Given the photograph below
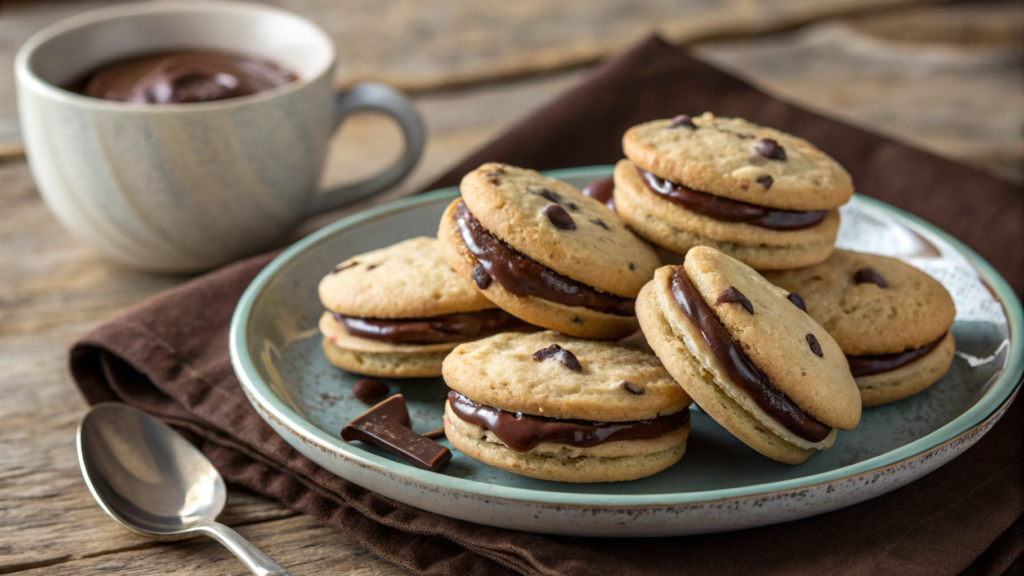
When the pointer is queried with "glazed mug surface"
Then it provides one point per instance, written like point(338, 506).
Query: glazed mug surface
point(187, 187)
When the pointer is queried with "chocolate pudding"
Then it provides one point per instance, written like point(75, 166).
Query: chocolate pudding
point(181, 77)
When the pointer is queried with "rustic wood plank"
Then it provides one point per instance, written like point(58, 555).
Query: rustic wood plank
point(420, 45)
point(947, 79)
point(301, 544)
point(53, 289)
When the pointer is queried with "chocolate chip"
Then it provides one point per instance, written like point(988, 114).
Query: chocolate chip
point(766, 181)
point(745, 135)
point(600, 223)
point(733, 295)
point(797, 301)
point(549, 195)
point(632, 266)
point(631, 388)
point(815, 347)
point(481, 277)
point(369, 389)
point(682, 121)
point(770, 149)
point(496, 172)
point(341, 267)
point(744, 183)
point(371, 267)
point(561, 354)
point(576, 320)
point(869, 275)
point(572, 206)
point(559, 217)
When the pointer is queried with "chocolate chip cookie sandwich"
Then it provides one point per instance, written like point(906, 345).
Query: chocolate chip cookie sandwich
point(544, 252)
point(891, 320)
point(397, 312)
point(548, 406)
point(748, 356)
point(766, 198)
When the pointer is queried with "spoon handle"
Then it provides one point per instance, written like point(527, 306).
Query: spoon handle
point(256, 561)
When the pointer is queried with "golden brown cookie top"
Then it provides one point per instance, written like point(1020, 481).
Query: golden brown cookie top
point(553, 223)
point(736, 159)
point(550, 374)
point(871, 304)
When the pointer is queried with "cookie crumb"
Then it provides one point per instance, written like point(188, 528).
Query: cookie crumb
point(564, 356)
point(369, 389)
point(744, 183)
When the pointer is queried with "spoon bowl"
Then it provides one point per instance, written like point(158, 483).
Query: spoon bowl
point(155, 483)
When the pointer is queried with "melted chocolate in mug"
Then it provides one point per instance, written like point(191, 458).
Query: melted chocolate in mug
point(181, 77)
point(522, 432)
point(739, 366)
point(524, 277)
point(728, 210)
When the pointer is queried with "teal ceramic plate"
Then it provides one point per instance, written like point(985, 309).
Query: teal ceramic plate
point(720, 484)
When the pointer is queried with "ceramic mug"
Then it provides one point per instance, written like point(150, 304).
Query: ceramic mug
point(186, 187)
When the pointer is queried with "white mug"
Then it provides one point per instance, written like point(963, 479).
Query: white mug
point(187, 187)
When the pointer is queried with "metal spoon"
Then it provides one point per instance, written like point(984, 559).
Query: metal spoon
point(155, 483)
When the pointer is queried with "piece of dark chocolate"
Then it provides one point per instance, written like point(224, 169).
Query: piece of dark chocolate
point(386, 426)
point(561, 354)
point(559, 217)
point(812, 341)
point(733, 295)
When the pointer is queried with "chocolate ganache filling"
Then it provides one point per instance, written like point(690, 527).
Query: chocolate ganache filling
point(868, 364)
point(522, 276)
point(436, 330)
point(739, 366)
point(522, 432)
point(728, 210)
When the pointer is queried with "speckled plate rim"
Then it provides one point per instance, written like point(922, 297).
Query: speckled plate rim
point(991, 405)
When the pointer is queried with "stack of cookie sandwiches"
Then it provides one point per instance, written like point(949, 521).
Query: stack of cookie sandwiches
point(749, 356)
point(549, 406)
point(764, 197)
point(891, 320)
point(539, 249)
point(397, 312)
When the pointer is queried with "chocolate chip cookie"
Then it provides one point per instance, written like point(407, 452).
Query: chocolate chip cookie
point(541, 250)
point(548, 406)
point(749, 357)
point(397, 311)
point(764, 197)
point(891, 320)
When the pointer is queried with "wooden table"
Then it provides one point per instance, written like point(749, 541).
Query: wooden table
point(947, 78)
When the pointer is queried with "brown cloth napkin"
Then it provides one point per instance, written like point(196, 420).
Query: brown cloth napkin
point(169, 357)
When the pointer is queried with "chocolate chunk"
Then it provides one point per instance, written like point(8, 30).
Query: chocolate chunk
point(549, 195)
point(435, 434)
point(369, 389)
point(559, 217)
point(341, 267)
point(631, 388)
point(682, 121)
point(770, 149)
point(386, 426)
point(731, 294)
point(766, 181)
point(481, 277)
point(600, 223)
point(561, 354)
point(815, 347)
point(797, 301)
point(572, 206)
point(869, 275)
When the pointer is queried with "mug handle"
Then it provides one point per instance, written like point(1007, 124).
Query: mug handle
point(378, 98)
